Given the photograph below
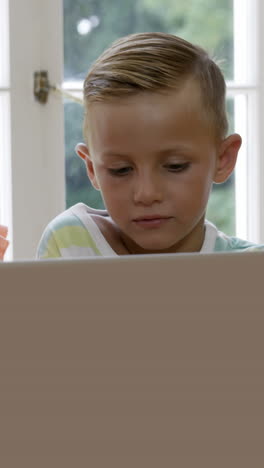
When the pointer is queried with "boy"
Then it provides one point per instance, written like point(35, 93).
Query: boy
point(156, 139)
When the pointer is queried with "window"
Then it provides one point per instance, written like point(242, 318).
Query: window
point(32, 163)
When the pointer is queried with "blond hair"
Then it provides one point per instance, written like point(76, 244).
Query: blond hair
point(154, 62)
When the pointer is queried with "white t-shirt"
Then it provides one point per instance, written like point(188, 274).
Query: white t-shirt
point(74, 233)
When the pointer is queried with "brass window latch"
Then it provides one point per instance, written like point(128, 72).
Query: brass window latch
point(42, 89)
point(42, 86)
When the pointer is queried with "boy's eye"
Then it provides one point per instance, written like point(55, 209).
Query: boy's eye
point(120, 171)
point(177, 167)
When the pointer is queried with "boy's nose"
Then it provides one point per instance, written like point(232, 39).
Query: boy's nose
point(147, 190)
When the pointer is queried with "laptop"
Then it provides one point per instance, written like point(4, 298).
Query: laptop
point(134, 361)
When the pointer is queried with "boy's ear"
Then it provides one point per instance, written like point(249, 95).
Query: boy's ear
point(83, 151)
point(227, 157)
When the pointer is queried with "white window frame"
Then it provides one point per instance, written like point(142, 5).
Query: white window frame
point(247, 90)
point(37, 131)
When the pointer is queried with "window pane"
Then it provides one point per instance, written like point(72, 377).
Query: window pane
point(91, 25)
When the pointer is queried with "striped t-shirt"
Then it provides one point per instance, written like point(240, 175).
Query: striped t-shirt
point(74, 233)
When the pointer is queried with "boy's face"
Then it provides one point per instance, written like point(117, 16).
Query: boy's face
point(154, 158)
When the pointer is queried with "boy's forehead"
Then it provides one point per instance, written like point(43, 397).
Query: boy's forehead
point(150, 109)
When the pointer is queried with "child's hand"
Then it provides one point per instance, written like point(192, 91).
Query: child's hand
point(3, 241)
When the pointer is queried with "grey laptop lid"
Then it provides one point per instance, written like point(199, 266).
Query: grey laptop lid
point(133, 361)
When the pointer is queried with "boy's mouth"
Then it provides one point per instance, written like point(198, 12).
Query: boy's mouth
point(151, 221)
